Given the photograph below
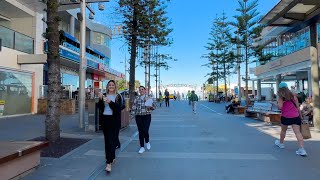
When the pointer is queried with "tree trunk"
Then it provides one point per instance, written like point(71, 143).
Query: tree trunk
point(217, 80)
point(133, 55)
point(225, 79)
point(246, 91)
point(52, 122)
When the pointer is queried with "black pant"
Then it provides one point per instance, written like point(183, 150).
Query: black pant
point(109, 132)
point(167, 102)
point(143, 123)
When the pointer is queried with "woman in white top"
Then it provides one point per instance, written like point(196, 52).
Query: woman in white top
point(110, 106)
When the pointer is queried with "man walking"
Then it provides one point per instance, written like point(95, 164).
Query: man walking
point(188, 97)
point(193, 99)
point(166, 94)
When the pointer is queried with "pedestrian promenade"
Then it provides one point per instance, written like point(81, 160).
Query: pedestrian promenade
point(209, 145)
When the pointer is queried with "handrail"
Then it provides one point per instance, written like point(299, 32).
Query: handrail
point(16, 31)
point(16, 40)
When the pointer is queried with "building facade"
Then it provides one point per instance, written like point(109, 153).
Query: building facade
point(23, 68)
point(292, 40)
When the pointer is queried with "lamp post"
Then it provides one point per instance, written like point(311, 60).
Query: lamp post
point(83, 64)
point(83, 60)
point(125, 71)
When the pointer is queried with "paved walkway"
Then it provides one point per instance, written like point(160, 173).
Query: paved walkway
point(209, 145)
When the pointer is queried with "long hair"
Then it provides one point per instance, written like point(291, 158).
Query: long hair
point(115, 87)
point(285, 94)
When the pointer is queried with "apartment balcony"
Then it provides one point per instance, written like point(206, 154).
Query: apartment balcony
point(15, 40)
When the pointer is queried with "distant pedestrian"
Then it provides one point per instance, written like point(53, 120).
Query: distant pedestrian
point(110, 106)
point(167, 97)
point(142, 108)
point(160, 99)
point(174, 95)
point(188, 97)
point(290, 115)
point(193, 99)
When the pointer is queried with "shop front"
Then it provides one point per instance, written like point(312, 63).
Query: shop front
point(16, 92)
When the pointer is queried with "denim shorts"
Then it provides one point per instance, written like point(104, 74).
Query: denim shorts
point(291, 121)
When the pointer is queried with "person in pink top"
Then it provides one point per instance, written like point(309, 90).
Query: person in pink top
point(290, 115)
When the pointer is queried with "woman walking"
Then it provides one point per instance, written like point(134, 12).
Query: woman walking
point(142, 108)
point(290, 115)
point(110, 116)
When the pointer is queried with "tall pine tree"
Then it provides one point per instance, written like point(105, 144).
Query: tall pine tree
point(144, 23)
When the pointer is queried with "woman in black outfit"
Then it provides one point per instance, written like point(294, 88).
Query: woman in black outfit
point(110, 115)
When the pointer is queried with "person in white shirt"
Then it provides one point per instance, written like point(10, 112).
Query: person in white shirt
point(142, 108)
point(110, 115)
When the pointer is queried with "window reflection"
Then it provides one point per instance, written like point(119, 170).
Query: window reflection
point(288, 43)
point(15, 92)
point(101, 39)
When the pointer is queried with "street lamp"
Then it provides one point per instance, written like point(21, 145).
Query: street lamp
point(125, 71)
point(83, 60)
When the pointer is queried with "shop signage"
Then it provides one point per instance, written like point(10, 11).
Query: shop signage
point(274, 64)
point(101, 67)
point(95, 77)
point(112, 71)
point(68, 54)
point(2, 103)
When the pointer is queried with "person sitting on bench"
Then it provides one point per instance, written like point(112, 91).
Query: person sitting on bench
point(234, 103)
point(307, 110)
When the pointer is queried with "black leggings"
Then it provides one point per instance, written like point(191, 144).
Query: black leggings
point(143, 123)
point(167, 102)
point(109, 132)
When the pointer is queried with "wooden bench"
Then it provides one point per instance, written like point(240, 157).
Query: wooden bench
point(240, 109)
point(19, 158)
point(264, 112)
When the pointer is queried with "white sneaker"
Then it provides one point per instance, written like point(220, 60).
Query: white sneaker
point(148, 145)
point(141, 150)
point(301, 152)
point(277, 143)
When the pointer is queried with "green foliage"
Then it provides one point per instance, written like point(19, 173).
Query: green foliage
point(248, 29)
point(144, 24)
point(137, 84)
point(220, 56)
point(121, 84)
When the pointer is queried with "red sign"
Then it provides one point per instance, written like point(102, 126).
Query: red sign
point(101, 67)
point(95, 77)
point(96, 84)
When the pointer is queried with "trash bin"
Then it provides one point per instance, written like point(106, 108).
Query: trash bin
point(92, 114)
point(125, 118)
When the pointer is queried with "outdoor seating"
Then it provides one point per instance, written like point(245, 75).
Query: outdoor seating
point(241, 108)
point(19, 158)
point(264, 112)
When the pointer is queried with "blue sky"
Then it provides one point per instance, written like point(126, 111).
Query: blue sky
point(191, 23)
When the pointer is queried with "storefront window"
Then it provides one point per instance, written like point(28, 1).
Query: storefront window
point(288, 43)
point(15, 92)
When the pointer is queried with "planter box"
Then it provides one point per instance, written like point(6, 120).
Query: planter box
point(67, 106)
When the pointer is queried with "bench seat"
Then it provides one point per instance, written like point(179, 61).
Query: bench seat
point(19, 158)
point(264, 112)
point(240, 109)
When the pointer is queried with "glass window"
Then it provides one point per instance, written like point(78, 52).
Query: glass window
point(64, 26)
point(15, 92)
point(23, 43)
point(101, 39)
point(7, 36)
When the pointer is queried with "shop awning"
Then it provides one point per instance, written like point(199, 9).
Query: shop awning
point(289, 12)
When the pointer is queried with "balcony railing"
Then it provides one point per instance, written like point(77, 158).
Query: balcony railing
point(15, 40)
